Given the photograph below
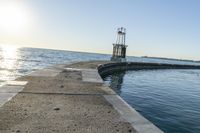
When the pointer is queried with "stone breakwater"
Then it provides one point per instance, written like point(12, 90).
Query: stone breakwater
point(72, 98)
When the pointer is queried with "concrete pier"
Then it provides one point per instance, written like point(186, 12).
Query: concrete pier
point(70, 98)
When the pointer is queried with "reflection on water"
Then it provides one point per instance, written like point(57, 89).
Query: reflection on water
point(9, 54)
point(8, 64)
point(115, 81)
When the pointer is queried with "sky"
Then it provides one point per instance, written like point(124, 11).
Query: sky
point(158, 28)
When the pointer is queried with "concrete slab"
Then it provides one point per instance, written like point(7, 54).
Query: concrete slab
point(10, 89)
point(146, 128)
point(91, 75)
point(64, 83)
point(5, 97)
point(8, 92)
point(16, 83)
point(45, 73)
point(72, 69)
point(108, 90)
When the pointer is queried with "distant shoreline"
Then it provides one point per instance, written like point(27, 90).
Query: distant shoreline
point(173, 59)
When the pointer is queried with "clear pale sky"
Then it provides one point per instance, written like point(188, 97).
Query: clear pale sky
point(161, 28)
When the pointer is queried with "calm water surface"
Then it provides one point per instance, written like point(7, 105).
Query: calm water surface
point(169, 98)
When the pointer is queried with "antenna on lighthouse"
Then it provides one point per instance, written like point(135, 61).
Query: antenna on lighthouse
point(119, 48)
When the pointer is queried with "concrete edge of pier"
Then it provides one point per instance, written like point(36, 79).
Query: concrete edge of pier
point(109, 68)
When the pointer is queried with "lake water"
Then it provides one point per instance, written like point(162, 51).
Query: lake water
point(15, 62)
point(168, 98)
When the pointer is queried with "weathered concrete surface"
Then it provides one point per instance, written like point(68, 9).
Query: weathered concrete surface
point(72, 98)
point(62, 101)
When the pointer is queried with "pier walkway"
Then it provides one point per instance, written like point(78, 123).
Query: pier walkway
point(68, 98)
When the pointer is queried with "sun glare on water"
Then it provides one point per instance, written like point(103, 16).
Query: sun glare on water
point(14, 17)
point(9, 55)
point(9, 51)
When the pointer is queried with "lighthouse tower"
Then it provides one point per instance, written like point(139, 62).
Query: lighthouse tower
point(119, 48)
